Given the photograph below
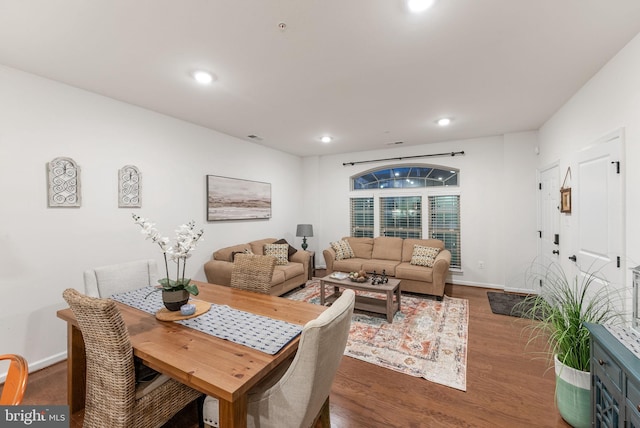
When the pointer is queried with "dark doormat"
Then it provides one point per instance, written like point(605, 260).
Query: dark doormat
point(505, 304)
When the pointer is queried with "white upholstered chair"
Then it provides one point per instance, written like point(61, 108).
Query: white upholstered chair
point(300, 395)
point(107, 280)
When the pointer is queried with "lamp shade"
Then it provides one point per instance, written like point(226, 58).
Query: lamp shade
point(304, 230)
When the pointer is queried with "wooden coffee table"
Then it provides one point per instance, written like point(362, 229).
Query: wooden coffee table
point(387, 306)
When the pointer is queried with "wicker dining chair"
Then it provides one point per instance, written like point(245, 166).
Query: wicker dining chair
point(253, 272)
point(112, 398)
point(15, 383)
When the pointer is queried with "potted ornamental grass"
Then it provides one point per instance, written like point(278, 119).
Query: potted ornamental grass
point(559, 314)
point(175, 292)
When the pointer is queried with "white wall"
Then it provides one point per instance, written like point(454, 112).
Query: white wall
point(497, 187)
point(45, 250)
point(608, 102)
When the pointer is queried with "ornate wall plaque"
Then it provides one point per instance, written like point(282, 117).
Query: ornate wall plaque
point(63, 176)
point(129, 187)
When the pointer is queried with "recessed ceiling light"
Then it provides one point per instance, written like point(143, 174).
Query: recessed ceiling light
point(417, 6)
point(443, 121)
point(326, 139)
point(203, 77)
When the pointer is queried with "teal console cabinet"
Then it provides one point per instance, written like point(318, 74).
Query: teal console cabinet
point(615, 377)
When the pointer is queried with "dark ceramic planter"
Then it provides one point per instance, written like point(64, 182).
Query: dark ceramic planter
point(173, 300)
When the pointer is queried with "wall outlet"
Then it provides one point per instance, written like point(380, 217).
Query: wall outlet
point(480, 264)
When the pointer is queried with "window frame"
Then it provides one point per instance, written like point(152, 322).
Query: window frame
point(423, 192)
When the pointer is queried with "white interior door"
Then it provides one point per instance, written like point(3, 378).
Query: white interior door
point(597, 203)
point(549, 218)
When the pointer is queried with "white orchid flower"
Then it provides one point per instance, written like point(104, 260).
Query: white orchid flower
point(185, 243)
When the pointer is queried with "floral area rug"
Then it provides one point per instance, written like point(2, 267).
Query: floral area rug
point(427, 338)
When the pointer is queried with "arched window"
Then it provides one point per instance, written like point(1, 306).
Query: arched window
point(408, 201)
point(405, 177)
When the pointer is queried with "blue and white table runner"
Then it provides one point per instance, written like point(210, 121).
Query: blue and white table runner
point(255, 331)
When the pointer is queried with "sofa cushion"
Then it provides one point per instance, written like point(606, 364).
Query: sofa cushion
point(279, 251)
point(343, 250)
point(407, 246)
point(362, 247)
point(387, 248)
point(406, 270)
point(348, 265)
point(278, 276)
point(388, 266)
point(291, 250)
point(258, 246)
point(290, 270)
point(424, 256)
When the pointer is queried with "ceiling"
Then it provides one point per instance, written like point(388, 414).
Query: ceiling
point(366, 72)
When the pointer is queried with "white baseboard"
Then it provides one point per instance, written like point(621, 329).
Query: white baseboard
point(35, 366)
point(46, 362)
point(478, 284)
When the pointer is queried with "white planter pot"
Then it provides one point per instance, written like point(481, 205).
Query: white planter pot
point(573, 395)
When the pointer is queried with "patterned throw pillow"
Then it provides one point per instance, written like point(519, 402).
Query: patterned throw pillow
point(424, 256)
point(343, 250)
point(279, 251)
point(292, 250)
point(245, 251)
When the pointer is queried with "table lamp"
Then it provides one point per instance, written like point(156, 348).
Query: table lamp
point(304, 230)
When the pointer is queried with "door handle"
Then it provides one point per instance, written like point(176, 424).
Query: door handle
point(556, 252)
point(573, 258)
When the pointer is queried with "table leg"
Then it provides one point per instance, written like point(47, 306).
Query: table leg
point(76, 369)
point(398, 297)
point(390, 311)
point(233, 414)
point(321, 292)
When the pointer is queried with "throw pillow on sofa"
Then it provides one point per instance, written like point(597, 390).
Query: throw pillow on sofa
point(343, 250)
point(424, 256)
point(279, 251)
point(291, 250)
point(245, 251)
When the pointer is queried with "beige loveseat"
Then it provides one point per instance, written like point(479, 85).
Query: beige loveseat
point(285, 277)
point(393, 255)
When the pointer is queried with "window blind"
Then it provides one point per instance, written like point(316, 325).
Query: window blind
point(401, 216)
point(362, 217)
point(444, 224)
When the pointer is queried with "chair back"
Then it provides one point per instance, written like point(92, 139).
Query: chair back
point(15, 383)
point(297, 397)
point(107, 280)
point(253, 272)
point(109, 358)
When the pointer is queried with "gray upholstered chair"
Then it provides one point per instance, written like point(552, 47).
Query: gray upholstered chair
point(300, 396)
point(107, 280)
point(253, 272)
point(112, 397)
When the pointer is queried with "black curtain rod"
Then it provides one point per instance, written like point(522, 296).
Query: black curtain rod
point(405, 157)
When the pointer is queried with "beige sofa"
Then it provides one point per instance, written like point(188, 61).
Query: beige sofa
point(393, 255)
point(285, 277)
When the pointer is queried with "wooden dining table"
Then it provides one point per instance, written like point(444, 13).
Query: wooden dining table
point(211, 365)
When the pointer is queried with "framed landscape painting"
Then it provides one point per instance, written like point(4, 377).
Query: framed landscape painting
point(236, 199)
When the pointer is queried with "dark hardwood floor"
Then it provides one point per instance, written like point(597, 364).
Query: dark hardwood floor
point(506, 385)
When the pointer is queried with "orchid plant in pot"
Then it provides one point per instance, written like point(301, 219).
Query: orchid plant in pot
point(175, 292)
